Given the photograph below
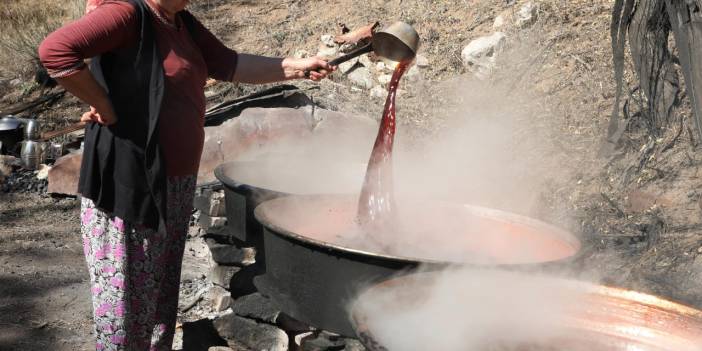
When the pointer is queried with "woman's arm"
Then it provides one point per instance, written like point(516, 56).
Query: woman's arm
point(260, 69)
point(228, 65)
point(84, 86)
point(108, 27)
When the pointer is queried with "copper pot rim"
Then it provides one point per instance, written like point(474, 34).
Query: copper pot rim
point(360, 326)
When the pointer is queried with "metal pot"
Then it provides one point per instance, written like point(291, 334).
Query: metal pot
point(597, 318)
point(11, 131)
point(312, 274)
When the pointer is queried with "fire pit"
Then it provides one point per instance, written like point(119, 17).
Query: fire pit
point(315, 265)
point(580, 317)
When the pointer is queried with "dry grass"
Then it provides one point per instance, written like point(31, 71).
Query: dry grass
point(24, 25)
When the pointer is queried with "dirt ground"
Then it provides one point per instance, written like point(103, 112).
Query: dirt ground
point(638, 211)
point(44, 292)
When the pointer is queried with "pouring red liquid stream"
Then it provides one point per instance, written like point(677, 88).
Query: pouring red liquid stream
point(376, 204)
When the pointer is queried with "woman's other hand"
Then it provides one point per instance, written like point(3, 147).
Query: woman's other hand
point(107, 117)
point(313, 68)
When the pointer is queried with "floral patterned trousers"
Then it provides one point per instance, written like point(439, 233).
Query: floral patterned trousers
point(135, 272)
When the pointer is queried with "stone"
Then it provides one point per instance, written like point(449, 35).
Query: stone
point(220, 298)
point(390, 66)
point(480, 54)
point(344, 67)
point(257, 336)
point(384, 79)
point(222, 275)
point(361, 77)
point(323, 341)
point(222, 303)
point(211, 224)
point(526, 15)
point(210, 202)
point(366, 61)
point(210, 93)
point(301, 54)
point(327, 52)
point(230, 255)
point(328, 40)
point(256, 306)
point(499, 22)
point(43, 171)
point(482, 48)
point(421, 61)
point(347, 47)
point(353, 345)
point(381, 66)
point(220, 348)
point(63, 176)
point(299, 337)
point(378, 92)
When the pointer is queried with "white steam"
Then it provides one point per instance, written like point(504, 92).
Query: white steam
point(490, 310)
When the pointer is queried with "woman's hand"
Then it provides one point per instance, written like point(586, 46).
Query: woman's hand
point(313, 68)
point(107, 117)
point(84, 86)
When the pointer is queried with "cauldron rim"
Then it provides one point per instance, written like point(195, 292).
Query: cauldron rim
point(221, 175)
point(566, 236)
point(361, 329)
point(221, 171)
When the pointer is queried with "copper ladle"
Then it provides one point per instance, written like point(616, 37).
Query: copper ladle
point(397, 42)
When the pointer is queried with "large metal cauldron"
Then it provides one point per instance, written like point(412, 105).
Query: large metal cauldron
point(596, 318)
point(314, 268)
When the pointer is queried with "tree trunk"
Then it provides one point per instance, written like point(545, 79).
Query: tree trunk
point(686, 20)
point(648, 41)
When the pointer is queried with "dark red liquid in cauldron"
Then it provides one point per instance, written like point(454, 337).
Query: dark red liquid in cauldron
point(376, 204)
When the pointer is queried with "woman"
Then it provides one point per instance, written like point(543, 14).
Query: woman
point(144, 137)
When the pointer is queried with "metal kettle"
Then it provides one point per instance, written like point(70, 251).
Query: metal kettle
point(33, 152)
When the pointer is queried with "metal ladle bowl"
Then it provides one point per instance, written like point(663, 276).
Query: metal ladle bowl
point(397, 42)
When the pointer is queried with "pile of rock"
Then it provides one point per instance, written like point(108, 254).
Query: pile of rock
point(244, 318)
point(480, 55)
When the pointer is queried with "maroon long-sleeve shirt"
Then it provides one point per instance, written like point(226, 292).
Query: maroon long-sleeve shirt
point(188, 59)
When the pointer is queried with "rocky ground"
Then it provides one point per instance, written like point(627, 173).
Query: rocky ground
point(637, 210)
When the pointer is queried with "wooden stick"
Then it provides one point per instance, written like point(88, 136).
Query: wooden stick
point(53, 134)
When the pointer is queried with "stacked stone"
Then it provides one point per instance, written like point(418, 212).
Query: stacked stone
point(246, 319)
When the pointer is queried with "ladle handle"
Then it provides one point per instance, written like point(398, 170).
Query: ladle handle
point(355, 53)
